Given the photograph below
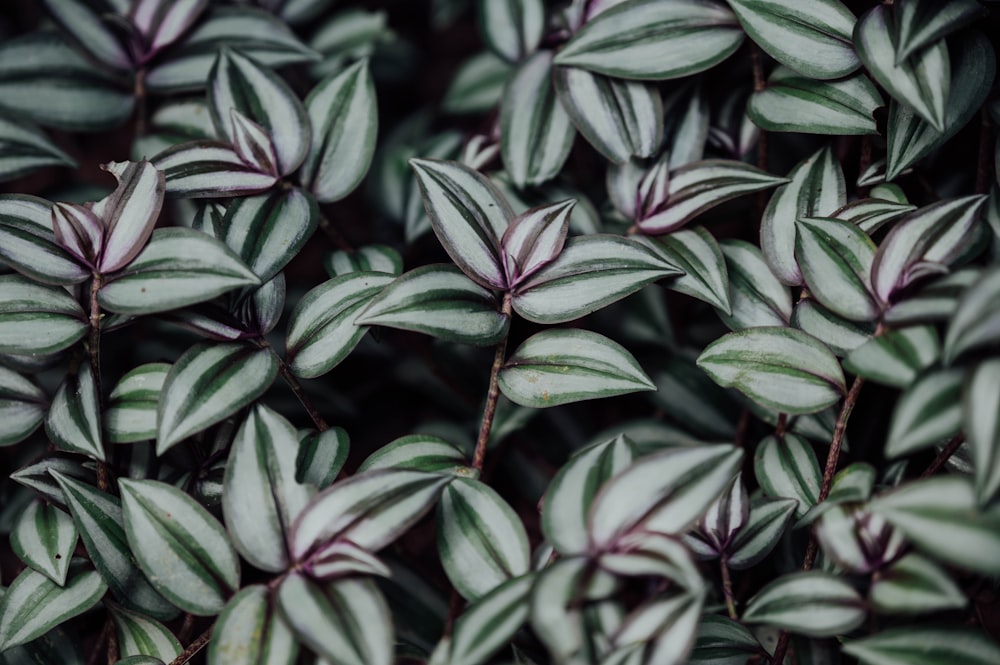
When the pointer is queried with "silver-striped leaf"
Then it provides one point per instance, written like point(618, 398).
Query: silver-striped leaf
point(268, 230)
point(74, 418)
point(372, 258)
point(130, 415)
point(696, 252)
point(663, 627)
point(835, 258)
point(511, 28)
point(935, 302)
point(129, 212)
point(27, 149)
point(162, 23)
point(139, 635)
point(420, 452)
point(210, 169)
point(36, 477)
point(914, 584)
point(33, 604)
point(477, 85)
point(22, 407)
point(721, 522)
point(920, 23)
point(534, 239)
point(787, 468)
point(896, 357)
point(321, 456)
point(840, 335)
point(972, 322)
point(44, 538)
point(36, 319)
point(490, 622)
point(928, 412)
point(766, 524)
point(686, 394)
point(981, 424)
point(930, 644)
point(28, 243)
point(687, 116)
point(96, 36)
point(250, 631)
point(871, 214)
point(756, 297)
point(815, 603)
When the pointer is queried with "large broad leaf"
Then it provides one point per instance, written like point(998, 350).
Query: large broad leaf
point(925, 645)
point(696, 253)
point(481, 540)
point(129, 212)
point(835, 258)
point(209, 169)
point(74, 419)
point(420, 452)
point(814, 603)
point(563, 366)
point(208, 383)
point(981, 423)
point(840, 335)
point(138, 635)
point(973, 322)
point(28, 243)
point(787, 468)
point(251, 632)
point(27, 149)
point(794, 103)
point(345, 123)
point(167, 530)
point(814, 40)
point(37, 319)
point(512, 28)
point(131, 411)
point(535, 131)
point(781, 368)
point(895, 358)
point(22, 407)
point(44, 537)
point(914, 584)
point(490, 622)
point(648, 39)
point(33, 604)
point(756, 297)
point(267, 231)
point(920, 23)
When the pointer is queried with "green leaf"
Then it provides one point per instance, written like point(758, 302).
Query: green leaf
point(786, 467)
point(620, 118)
point(27, 149)
point(37, 319)
point(511, 28)
point(815, 604)
point(920, 23)
point(178, 267)
point(972, 322)
point(835, 259)
point(981, 423)
point(321, 456)
point(169, 532)
point(647, 39)
point(260, 495)
point(895, 358)
point(756, 297)
point(556, 367)
point(22, 407)
point(87, 29)
point(781, 368)
point(767, 522)
point(921, 82)
point(208, 383)
point(591, 272)
point(438, 300)
point(268, 230)
point(138, 635)
point(696, 253)
point(928, 412)
point(536, 134)
point(817, 188)
point(33, 604)
point(815, 41)
point(44, 538)
point(490, 622)
point(912, 585)
point(873, 213)
point(925, 645)
point(840, 335)
point(373, 258)
point(722, 641)
point(794, 103)
point(477, 86)
point(28, 243)
point(251, 632)
point(131, 412)
point(74, 419)
point(350, 34)
point(129, 212)
point(209, 169)
point(420, 452)
point(345, 123)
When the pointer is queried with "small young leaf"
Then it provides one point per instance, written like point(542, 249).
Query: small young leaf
point(896, 357)
point(928, 412)
point(419, 452)
point(756, 297)
point(37, 319)
point(28, 243)
point(138, 635)
point(722, 641)
point(79, 231)
point(267, 231)
point(251, 632)
point(44, 537)
point(767, 522)
point(815, 604)
point(511, 28)
point(33, 604)
point(490, 622)
point(162, 22)
point(534, 239)
point(914, 584)
point(129, 212)
point(372, 258)
point(131, 412)
point(208, 169)
point(74, 419)
point(696, 253)
point(787, 468)
point(321, 456)
point(835, 258)
point(932, 645)
point(981, 423)
point(253, 144)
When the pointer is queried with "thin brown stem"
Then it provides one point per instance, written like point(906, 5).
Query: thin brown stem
point(864, 161)
point(833, 456)
point(781, 648)
point(740, 439)
point(193, 648)
point(102, 638)
point(140, 103)
point(727, 588)
point(494, 393)
point(187, 627)
point(985, 152)
point(113, 651)
point(943, 457)
point(454, 607)
point(781, 426)
point(296, 387)
point(335, 236)
point(94, 351)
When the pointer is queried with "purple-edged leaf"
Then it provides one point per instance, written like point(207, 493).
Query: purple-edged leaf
point(162, 22)
point(253, 144)
point(696, 253)
point(533, 239)
point(268, 230)
point(871, 214)
point(663, 627)
point(250, 631)
point(131, 408)
point(725, 517)
point(79, 231)
point(928, 412)
point(489, 623)
point(915, 584)
point(22, 407)
point(92, 33)
point(767, 522)
point(653, 191)
point(129, 213)
point(756, 297)
point(37, 319)
point(74, 419)
point(469, 216)
point(795, 103)
point(28, 243)
point(321, 456)
point(925, 645)
point(208, 169)
point(27, 149)
point(237, 82)
point(512, 28)
point(835, 258)
point(814, 603)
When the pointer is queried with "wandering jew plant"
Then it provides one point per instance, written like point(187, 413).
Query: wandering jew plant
point(653, 332)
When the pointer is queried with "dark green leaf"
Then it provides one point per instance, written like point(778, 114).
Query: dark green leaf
point(138, 635)
point(251, 632)
point(28, 244)
point(794, 103)
point(477, 86)
point(27, 149)
point(925, 645)
point(928, 412)
point(37, 319)
point(267, 231)
point(920, 23)
point(814, 603)
point(33, 604)
point(44, 537)
point(74, 419)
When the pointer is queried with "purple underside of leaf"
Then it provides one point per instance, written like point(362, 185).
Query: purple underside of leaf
point(533, 240)
point(162, 22)
point(130, 212)
point(79, 231)
point(210, 169)
point(253, 144)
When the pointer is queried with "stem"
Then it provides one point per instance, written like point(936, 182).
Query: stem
point(335, 236)
point(101, 639)
point(187, 627)
point(727, 588)
point(864, 161)
point(758, 86)
point(781, 426)
point(140, 103)
point(780, 648)
point(838, 438)
point(454, 606)
point(94, 349)
point(113, 652)
point(494, 393)
point(945, 454)
point(741, 428)
point(193, 648)
point(985, 152)
point(296, 387)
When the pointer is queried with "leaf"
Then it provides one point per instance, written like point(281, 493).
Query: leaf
point(321, 456)
point(835, 258)
point(162, 23)
point(33, 604)
point(555, 616)
point(94, 35)
point(756, 297)
point(511, 28)
point(767, 522)
point(79, 231)
point(129, 212)
point(647, 39)
point(914, 584)
point(872, 214)
point(253, 144)
point(921, 82)
point(490, 622)
point(209, 383)
point(591, 272)
point(972, 322)
point(27, 149)
point(346, 622)
point(928, 412)
point(536, 133)
point(793, 103)
point(620, 118)
point(696, 253)
point(28, 243)
point(438, 300)
point(534, 239)
point(817, 188)
point(131, 412)
point(322, 330)
point(268, 231)
point(209, 169)
point(44, 538)
point(981, 425)
point(815, 604)
point(74, 419)
point(920, 24)
point(178, 267)
point(169, 532)
point(840, 336)
point(477, 85)
point(556, 367)
point(37, 319)
point(700, 186)
point(895, 358)
point(481, 540)
point(930, 645)
point(722, 521)
point(420, 452)
point(22, 407)
point(251, 632)
point(787, 468)
point(781, 368)
point(373, 258)
point(138, 635)
point(815, 42)
point(260, 494)
point(722, 641)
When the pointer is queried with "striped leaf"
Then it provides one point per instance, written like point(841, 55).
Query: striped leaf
point(787, 468)
point(86, 28)
point(817, 188)
point(815, 41)
point(815, 604)
point(138, 635)
point(371, 258)
point(469, 216)
point(322, 330)
point(253, 144)
point(162, 23)
point(178, 267)
point(56, 646)
point(45, 79)
point(664, 492)
point(696, 253)
point(666, 624)
point(268, 230)
point(209, 169)
point(780, 368)
point(756, 297)
point(169, 531)
point(838, 334)
point(920, 23)
point(321, 456)
point(36, 477)
point(490, 622)
point(140, 660)
point(648, 39)
point(260, 495)
point(688, 119)
point(33, 604)
point(345, 123)
point(766, 524)
point(350, 34)
point(536, 133)
point(620, 118)
point(721, 522)
point(872, 214)
point(533, 239)
point(129, 212)
point(481, 540)
point(79, 231)
point(511, 28)
point(44, 538)
point(563, 366)
point(131, 412)
point(794, 103)
point(98, 517)
point(22, 407)
point(478, 85)
point(927, 645)
point(722, 641)
point(686, 394)
point(895, 358)
point(981, 424)
point(438, 300)
point(250, 631)
point(700, 186)
point(209, 383)
point(74, 419)
point(420, 452)
point(37, 319)
point(914, 584)
point(347, 621)
point(972, 323)
point(27, 149)
point(571, 493)
point(835, 258)
point(554, 613)
point(591, 272)
point(28, 243)
point(928, 412)
point(921, 82)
